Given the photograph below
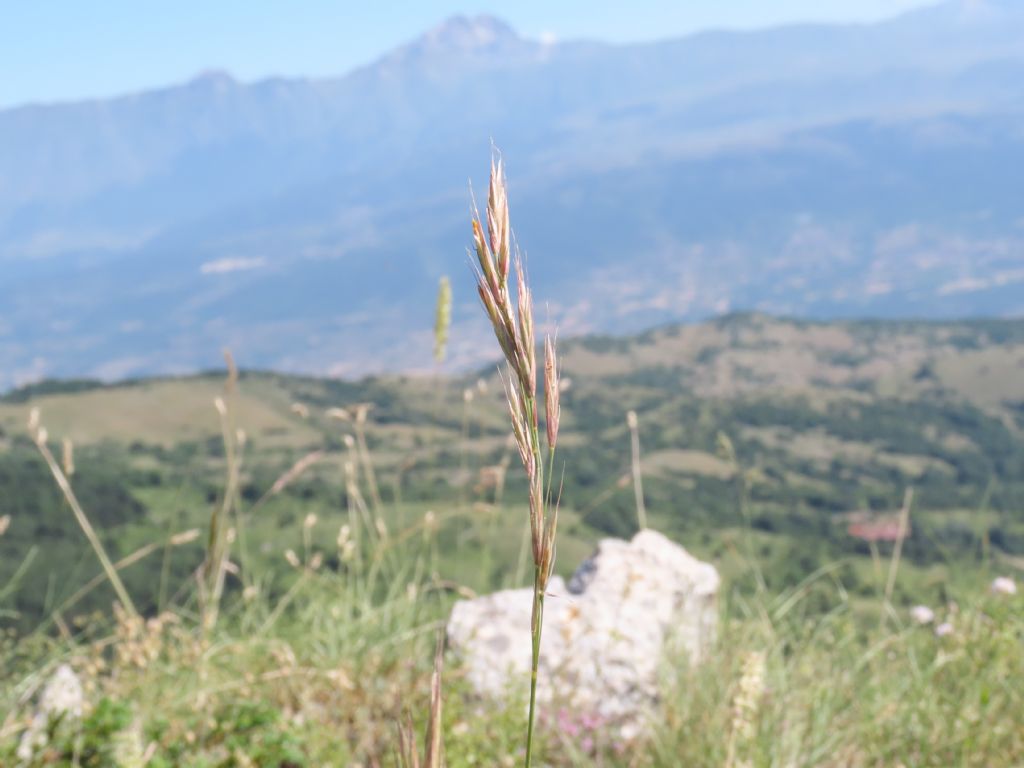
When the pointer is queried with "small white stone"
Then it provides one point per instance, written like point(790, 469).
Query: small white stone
point(1004, 585)
point(62, 697)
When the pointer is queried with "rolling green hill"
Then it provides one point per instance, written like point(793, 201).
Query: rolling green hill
point(791, 430)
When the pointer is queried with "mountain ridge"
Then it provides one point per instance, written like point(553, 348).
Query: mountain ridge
point(851, 171)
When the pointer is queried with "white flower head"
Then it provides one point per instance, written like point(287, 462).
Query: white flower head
point(922, 614)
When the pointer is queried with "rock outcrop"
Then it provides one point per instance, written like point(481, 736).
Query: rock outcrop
point(606, 632)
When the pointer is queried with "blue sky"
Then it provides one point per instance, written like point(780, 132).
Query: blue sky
point(68, 49)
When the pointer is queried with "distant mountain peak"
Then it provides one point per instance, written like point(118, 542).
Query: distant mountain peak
point(470, 33)
point(482, 38)
point(217, 79)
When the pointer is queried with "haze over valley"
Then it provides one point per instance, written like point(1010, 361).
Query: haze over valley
point(826, 172)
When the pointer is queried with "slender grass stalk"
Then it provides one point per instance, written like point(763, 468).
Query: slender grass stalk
point(514, 329)
point(213, 570)
point(638, 482)
point(356, 415)
point(408, 756)
point(180, 539)
point(364, 454)
point(19, 572)
point(897, 550)
point(40, 436)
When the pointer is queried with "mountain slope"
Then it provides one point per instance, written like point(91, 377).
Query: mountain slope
point(817, 170)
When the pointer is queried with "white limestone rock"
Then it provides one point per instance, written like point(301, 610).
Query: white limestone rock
point(606, 632)
point(62, 700)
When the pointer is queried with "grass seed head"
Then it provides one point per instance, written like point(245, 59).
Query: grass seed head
point(442, 319)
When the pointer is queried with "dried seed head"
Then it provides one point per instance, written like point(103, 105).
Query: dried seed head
point(350, 442)
point(488, 278)
point(344, 534)
point(338, 414)
point(5, 523)
point(347, 551)
point(184, 537)
point(520, 429)
point(42, 436)
point(382, 528)
point(310, 521)
point(361, 410)
point(296, 470)
point(292, 558)
point(552, 391)
point(631, 420)
point(467, 395)
point(316, 561)
point(218, 403)
point(241, 437)
point(33, 419)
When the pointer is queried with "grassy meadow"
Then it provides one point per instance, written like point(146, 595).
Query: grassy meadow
point(762, 441)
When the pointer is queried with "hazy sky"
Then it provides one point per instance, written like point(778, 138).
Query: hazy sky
point(72, 49)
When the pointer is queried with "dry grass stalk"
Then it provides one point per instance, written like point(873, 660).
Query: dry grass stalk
point(40, 436)
point(408, 756)
point(357, 415)
point(638, 483)
point(212, 573)
point(297, 470)
point(68, 457)
point(514, 329)
point(177, 540)
point(894, 564)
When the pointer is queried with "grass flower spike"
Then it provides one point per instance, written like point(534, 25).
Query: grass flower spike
point(514, 329)
point(442, 319)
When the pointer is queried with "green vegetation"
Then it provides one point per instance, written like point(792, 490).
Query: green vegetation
point(763, 441)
